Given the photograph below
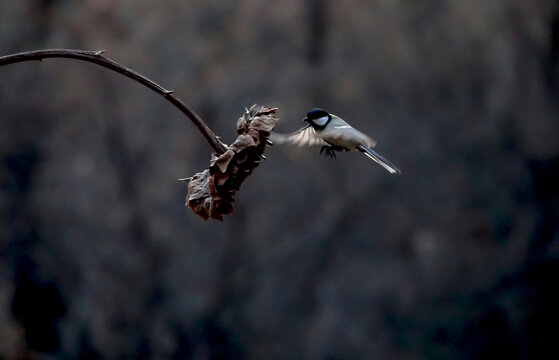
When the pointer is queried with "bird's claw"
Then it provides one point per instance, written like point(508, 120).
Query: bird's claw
point(328, 151)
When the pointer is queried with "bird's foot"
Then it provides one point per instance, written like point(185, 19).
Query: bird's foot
point(328, 151)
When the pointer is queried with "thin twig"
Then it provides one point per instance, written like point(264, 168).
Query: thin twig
point(96, 57)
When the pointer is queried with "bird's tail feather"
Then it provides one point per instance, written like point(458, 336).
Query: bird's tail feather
point(376, 157)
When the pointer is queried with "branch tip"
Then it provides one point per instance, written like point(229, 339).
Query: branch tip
point(99, 52)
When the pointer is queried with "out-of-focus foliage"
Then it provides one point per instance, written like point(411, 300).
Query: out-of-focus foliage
point(456, 258)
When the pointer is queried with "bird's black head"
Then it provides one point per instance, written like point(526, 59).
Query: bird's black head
point(318, 118)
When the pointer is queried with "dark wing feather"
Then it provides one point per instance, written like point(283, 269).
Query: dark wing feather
point(306, 136)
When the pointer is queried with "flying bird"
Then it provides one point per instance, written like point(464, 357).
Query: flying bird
point(333, 134)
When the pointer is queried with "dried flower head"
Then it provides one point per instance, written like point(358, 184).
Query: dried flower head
point(211, 192)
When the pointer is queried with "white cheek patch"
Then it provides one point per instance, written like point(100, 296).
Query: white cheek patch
point(321, 121)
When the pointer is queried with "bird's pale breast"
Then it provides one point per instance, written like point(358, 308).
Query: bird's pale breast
point(347, 137)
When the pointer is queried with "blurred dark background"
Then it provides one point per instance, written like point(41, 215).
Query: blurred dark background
point(458, 258)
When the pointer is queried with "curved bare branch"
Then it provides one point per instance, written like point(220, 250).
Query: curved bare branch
point(96, 57)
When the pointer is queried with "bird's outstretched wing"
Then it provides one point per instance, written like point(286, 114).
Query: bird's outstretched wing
point(305, 136)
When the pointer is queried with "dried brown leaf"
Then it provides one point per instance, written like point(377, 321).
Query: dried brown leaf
point(211, 192)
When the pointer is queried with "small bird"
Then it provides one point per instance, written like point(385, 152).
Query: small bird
point(334, 134)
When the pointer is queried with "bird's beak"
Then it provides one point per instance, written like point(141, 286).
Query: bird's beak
point(305, 119)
